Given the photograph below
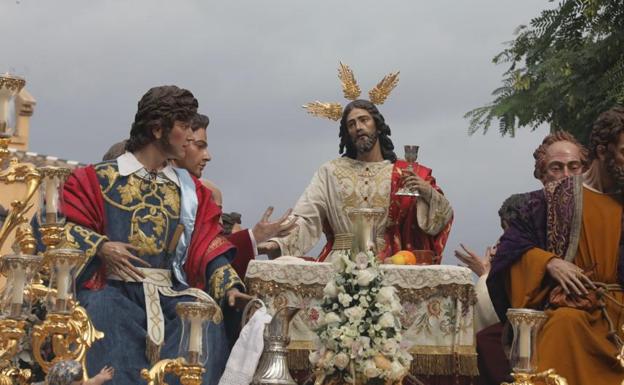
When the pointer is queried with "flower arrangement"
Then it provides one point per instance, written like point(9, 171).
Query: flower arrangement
point(359, 328)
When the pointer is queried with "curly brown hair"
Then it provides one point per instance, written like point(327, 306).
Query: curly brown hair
point(540, 153)
point(160, 107)
point(606, 129)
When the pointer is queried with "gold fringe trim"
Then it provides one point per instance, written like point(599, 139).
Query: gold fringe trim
point(299, 359)
point(445, 364)
point(152, 351)
point(422, 364)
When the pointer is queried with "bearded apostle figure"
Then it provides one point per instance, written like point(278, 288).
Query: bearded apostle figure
point(367, 175)
point(564, 253)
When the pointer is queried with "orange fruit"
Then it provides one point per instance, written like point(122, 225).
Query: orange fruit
point(404, 257)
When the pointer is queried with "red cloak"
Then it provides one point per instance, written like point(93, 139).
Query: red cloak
point(84, 205)
point(402, 231)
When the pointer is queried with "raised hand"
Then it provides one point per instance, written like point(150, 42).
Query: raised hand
point(265, 229)
point(479, 265)
point(117, 257)
point(569, 276)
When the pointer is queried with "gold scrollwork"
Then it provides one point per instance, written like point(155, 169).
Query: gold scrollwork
point(71, 334)
point(548, 377)
point(188, 374)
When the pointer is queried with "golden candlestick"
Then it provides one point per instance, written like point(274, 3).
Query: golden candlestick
point(526, 324)
point(189, 366)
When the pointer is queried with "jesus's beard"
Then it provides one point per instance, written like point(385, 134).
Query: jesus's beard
point(366, 143)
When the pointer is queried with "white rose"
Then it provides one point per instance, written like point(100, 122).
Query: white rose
point(315, 357)
point(370, 369)
point(347, 342)
point(331, 318)
point(396, 307)
point(330, 289)
point(386, 320)
point(390, 347)
point(386, 294)
point(328, 359)
point(364, 277)
point(344, 299)
point(338, 263)
point(341, 360)
point(397, 371)
point(355, 313)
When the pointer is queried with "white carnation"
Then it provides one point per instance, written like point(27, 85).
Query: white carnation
point(344, 299)
point(355, 313)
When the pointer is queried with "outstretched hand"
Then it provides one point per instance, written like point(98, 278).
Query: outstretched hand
point(569, 276)
point(117, 256)
point(265, 229)
point(105, 375)
point(237, 299)
point(479, 265)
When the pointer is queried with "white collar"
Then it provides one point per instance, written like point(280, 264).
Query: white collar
point(129, 164)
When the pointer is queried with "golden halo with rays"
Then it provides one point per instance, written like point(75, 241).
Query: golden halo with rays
point(351, 91)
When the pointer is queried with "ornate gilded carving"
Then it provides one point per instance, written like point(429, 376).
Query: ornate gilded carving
point(350, 87)
point(351, 90)
point(18, 173)
point(382, 90)
point(548, 377)
point(188, 374)
point(258, 286)
point(71, 334)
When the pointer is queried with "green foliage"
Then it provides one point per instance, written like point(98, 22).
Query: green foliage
point(565, 68)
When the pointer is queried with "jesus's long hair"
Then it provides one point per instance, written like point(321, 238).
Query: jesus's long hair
point(347, 148)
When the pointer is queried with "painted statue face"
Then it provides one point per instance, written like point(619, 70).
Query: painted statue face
point(362, 130)
point(175, 144)
point(614, 161)
point(197, 155)
point(563, 159)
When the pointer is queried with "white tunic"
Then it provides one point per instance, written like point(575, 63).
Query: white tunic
point(342, 184)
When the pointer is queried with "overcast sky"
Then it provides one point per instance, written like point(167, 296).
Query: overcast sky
point(252, 64)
